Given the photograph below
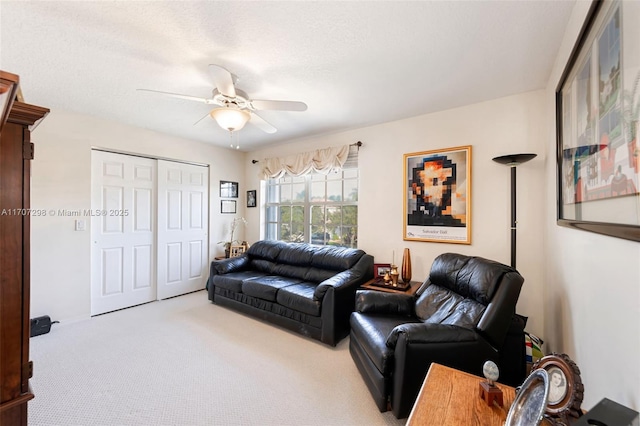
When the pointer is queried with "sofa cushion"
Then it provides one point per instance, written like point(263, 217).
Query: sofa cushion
point(291, 271)
point(296, 254)
point(299, 297)
point(233, 280)
point(317, 275)
point(266, 287)
point(262, 265)
point(266, 249)
point(335, 258)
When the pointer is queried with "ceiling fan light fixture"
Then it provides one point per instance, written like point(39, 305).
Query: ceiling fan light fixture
point(230, 118)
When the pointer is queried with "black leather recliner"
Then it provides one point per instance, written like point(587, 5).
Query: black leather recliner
point(460, 317)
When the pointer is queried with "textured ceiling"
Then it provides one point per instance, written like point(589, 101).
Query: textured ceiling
point(354, 63)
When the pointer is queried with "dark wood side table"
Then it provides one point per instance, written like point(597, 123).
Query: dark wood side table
point(414, 286)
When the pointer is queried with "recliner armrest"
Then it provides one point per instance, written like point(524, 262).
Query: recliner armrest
point(431, 333)
point(371, 301)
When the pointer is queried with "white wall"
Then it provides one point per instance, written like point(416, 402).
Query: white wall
point(61, 179)
point(592, 292)
point(509, 125)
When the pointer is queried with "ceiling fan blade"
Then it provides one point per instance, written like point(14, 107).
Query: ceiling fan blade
point(179, 96)
point(205, 116)
point(260, 123)
point(223, 80)
point(279, 105)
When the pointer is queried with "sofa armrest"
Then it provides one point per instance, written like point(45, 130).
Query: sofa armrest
point(233, 264)
point(379, 302)
point(431, 333)
point(350, 279)
point(343, 279)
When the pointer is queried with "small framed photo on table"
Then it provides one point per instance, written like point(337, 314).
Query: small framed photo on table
point(236, 251)
point(379, 269)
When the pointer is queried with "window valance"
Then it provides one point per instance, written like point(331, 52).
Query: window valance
point(321, 160)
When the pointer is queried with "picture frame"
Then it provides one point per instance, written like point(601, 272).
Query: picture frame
point(379, 269)
point(251, 198)
point(227, 206)
point(566, 390)
point(597, 116)
point(437, 196)
point(235, 251)
point(228, 189)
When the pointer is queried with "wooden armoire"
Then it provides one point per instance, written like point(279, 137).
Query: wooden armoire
point(16, 153)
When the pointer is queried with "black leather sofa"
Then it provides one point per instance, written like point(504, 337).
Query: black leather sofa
point(462, 316)
point(305, 288)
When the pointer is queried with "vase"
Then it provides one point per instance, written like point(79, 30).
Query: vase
point(406, 266)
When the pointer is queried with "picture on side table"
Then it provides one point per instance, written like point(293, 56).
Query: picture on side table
point(437, 195)
point(565, 387)
point(379, 269)
point(236, 251)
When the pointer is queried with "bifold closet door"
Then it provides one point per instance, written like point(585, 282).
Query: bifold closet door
point(123, 215)
point(183, 218)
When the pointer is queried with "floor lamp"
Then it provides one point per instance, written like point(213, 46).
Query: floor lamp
point(513, 161)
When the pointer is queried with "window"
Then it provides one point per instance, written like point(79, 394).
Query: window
point(315, 208)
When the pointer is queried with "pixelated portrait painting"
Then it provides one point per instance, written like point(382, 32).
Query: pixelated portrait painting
point(437, 186)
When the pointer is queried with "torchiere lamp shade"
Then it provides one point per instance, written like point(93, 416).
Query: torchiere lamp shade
point(514, 159)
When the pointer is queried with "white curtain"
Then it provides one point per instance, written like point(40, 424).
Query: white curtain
point(321, 161)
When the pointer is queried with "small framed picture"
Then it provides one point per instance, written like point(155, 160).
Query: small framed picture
point(379, 269)
point(236, 251)
point(251, 198)
point(227, 206)
point(228, 189)
point(565, 387)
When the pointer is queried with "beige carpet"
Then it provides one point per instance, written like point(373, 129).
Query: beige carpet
point(185, 361)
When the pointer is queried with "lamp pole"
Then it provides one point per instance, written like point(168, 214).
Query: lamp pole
point(513, 161)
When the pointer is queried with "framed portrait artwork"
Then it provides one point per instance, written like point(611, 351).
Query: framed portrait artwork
point(597, 115)
point(228, 189)
point(565, 387)
point(251, 198)
point(437, 196)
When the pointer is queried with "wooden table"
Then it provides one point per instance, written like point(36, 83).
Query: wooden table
point(414, 286)
point(450, 397)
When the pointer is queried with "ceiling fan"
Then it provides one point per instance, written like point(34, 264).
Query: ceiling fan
point(234, 108)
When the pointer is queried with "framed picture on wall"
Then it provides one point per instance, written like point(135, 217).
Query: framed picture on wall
point(251, 198)
point(227, 206)
point(597, 115)
point(228, 189)
point(437, 196)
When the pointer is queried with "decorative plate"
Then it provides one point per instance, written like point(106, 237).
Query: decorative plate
point(528, 408)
